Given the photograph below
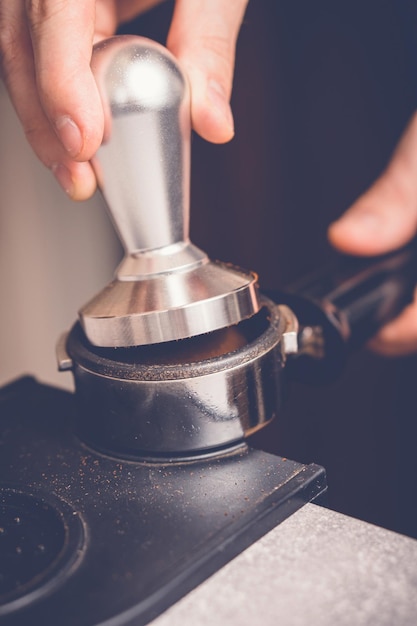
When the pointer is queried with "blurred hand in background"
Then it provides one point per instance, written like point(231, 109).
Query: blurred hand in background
point(382, 219)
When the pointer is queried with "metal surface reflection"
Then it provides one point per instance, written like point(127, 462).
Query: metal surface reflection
point(166, 288)
point(131, 405)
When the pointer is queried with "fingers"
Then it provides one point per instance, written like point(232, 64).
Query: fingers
point(62, 53)
point(203, 37)
point(45, 59)
point(78, 180)
point(399, 337)
point(385, 217)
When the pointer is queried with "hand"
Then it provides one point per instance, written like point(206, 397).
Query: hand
point(384, 219)
point(45, 52)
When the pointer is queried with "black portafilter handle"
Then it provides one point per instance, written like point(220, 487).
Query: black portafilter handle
point(343, 305)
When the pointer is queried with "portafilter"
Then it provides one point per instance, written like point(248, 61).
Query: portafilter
point(180, 355)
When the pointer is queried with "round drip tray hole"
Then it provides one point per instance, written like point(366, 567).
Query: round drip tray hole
point(40, 537)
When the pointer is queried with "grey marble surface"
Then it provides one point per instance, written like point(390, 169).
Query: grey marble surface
point(318, 568)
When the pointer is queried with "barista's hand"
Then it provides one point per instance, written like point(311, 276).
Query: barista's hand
point(45, 52)
point(384, 219)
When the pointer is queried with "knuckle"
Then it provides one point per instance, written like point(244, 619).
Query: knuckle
point(10, 48)
point(213, 54)
point(34, 137)
point(31, 133)
point(219, 50)
point(40, 12)
point(216, 43)
point(42, 142)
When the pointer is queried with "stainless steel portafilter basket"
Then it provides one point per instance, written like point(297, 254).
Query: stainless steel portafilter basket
point(165, 288)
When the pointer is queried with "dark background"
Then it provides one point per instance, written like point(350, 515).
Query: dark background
point(321, 95)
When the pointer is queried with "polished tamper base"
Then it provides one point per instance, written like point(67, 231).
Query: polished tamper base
point(168, 307)
point(166, 288)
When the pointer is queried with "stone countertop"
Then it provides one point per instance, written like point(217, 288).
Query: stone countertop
point(318, 567)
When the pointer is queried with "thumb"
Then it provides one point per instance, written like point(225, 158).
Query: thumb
point(384, 217)
point(203, 37)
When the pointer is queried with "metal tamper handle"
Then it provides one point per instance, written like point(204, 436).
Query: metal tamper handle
point(165, 288)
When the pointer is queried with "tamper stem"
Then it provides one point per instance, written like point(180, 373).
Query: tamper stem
point(144, 163)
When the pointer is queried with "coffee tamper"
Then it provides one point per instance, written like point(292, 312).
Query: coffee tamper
point(178, 355)
point(166, 288)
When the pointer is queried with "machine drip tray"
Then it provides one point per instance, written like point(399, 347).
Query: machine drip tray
point(94, 538)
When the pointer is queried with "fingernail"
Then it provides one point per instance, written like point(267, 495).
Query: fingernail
point(70, 135)
point(64, 178)
point(217, 96)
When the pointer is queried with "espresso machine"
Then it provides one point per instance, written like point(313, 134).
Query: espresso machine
point(117, 500)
